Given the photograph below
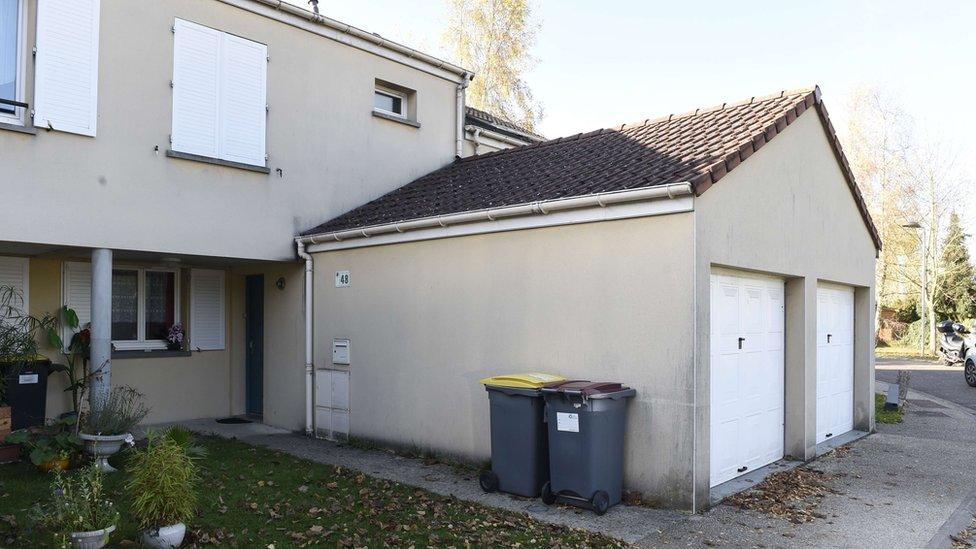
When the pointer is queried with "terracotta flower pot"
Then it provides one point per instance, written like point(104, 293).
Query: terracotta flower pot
point(9, 453)
point(4, 422)
point(56, 463)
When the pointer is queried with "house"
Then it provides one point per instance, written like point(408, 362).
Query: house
point(166, 153)
point(720, 261)
point(160, 159)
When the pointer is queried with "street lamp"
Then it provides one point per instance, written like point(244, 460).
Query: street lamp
point(921, 237)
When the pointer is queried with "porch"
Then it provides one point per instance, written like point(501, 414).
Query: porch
point(243, 322)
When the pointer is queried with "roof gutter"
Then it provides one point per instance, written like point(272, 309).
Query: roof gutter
point(478, 131)
point(351, 31)
point(545, 207)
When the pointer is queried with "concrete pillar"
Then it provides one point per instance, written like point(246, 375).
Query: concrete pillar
point(800, 429)
point(864, 339)
point(101, 326)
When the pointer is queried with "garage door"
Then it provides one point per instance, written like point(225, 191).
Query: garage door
point(835, 361)
point(746, 426)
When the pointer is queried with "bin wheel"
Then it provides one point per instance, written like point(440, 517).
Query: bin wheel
point(600, 502)
point(547, 496)
point(488, 481)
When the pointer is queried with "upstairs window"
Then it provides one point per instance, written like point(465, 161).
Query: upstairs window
point(389, 102)
point(219, 95)
point(12, 60)
point(395, 102)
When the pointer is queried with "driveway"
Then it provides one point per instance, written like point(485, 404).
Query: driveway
point(934, 378)
point(907, 485)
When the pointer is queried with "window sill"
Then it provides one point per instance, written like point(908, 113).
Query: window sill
point(217, 162)
point(29, 130)
point(394, 118)
point(156, 353)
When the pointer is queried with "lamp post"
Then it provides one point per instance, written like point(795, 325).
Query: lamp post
point(922, 293)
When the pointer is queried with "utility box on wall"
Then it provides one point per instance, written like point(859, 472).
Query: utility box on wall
point(332, 404)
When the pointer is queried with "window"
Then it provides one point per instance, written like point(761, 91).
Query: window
point(12, 59)
point(219, 95)
point(14, 291)
point(145, 305)
point(389, 102)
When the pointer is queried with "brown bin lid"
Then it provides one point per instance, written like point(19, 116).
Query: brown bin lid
point(583, 387)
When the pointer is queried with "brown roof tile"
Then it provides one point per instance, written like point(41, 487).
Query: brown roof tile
point(699, 147)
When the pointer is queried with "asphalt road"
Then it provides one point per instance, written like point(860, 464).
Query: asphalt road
point(933, 378)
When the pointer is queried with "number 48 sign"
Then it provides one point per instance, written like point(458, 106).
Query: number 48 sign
point(342, 279)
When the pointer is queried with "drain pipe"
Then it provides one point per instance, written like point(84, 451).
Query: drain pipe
point(459, 129)
point(309, 368)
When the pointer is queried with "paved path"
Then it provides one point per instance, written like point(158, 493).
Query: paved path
point(933, 378)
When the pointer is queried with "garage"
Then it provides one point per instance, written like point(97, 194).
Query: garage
point(682, 255)
point(747, 374)
point(835, 361)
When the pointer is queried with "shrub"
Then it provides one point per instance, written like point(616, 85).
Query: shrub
point(117, 413)
point(77, 504)
point(163, 483)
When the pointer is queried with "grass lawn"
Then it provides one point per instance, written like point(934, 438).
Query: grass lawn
point(902, 352)
point(886, 416)
point(254, 497)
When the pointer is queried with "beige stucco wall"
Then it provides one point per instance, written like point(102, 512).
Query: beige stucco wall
point(426, 320)
point(175, 388)
point(114, 191)
point(787, 210)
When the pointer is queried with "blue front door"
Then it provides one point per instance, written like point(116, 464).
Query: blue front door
point(254, 344)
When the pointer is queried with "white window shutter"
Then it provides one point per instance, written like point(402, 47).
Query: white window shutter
point(243, 100)
point(196, 75)
point(207, 326)
point(77, 295)
point(14, 274)
point(66, 71)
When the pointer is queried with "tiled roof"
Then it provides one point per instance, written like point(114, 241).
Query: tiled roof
point(698, 147)
point(489, 121)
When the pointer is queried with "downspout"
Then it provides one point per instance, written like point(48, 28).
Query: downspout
point(459, 129)
point(476, 135)
point(309, 368)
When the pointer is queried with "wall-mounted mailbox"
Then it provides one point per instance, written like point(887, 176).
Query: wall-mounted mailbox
point(340, 351)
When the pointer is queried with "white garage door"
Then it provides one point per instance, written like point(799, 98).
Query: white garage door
point(835, 361)
point(747, 371)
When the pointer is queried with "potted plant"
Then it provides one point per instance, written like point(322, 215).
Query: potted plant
point(78, 512)
point(20, 350)
point(174, 339)
point(109, 424)
point(76, 354)
point(163, 490)
point(50, 446)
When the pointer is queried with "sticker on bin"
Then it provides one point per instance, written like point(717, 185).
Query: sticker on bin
point(27, 379)
point(567, 422)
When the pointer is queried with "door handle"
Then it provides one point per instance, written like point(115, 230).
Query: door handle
point(828, 337)
point(741, 339)
point(742, 469)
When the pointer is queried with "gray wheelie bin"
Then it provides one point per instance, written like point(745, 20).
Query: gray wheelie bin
point(519, 442)
point(586, 423)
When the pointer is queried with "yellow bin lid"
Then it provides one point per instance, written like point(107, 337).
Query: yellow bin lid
point(530, 380)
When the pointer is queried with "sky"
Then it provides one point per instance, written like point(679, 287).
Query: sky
point(607, 62)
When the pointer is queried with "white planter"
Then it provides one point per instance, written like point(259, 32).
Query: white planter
point(102, 447)
point(91, 540)
point(166, 537)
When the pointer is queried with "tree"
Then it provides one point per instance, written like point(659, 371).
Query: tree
point(493, 38)
point(955, 300)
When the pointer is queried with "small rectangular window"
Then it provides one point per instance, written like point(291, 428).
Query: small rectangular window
point(11, 58)
point(389, 102)
point(125, 305)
